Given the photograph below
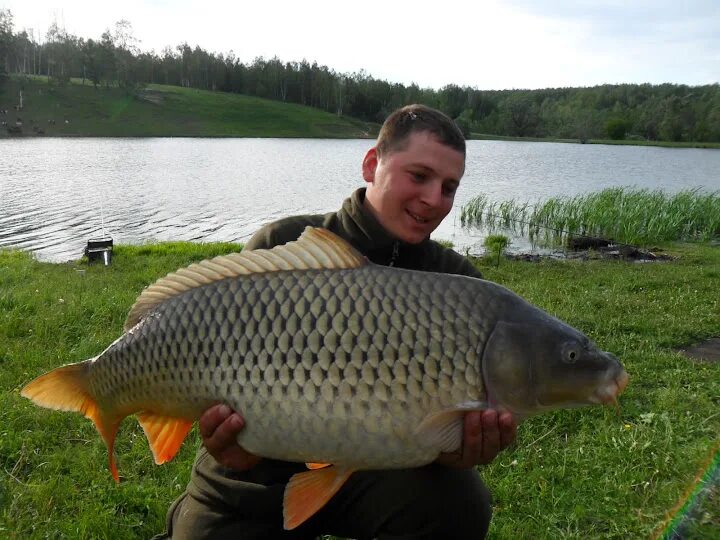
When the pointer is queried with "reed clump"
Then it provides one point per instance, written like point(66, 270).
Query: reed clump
point(625, 215)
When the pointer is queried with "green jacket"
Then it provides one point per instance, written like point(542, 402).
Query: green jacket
point(358, 226)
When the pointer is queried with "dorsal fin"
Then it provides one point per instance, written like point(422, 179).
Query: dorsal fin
point(316, 249)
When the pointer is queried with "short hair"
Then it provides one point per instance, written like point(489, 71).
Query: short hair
point(415, 119)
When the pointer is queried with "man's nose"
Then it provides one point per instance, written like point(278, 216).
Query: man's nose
point(432, 194)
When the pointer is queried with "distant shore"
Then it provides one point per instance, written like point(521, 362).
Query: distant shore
point(78, 109)
point(628, 142)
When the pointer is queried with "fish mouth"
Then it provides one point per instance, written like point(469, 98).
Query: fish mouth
point(609, 392)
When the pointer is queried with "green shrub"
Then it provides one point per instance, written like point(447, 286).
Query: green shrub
point(495, 244)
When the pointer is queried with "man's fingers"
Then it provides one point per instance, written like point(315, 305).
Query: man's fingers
point(472, 439)
point(508, 429)
point(490, 435)
point(219, 425)
point(212, 418)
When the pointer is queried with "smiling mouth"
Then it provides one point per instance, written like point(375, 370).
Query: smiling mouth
point(417, 218)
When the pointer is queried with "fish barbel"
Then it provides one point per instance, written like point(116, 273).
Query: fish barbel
point(330, 359)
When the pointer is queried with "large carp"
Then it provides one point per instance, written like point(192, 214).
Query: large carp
point(330, 359)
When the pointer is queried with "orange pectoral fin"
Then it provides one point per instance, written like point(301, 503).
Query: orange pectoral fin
point(164, 433)
point(308, 492)
point(444, 429)
point(313, 466)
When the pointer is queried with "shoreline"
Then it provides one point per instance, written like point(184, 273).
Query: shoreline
point(369, 136)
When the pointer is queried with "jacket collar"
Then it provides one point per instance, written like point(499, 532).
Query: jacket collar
point(366, 231)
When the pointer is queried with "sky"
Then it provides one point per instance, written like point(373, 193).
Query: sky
point(485, 44)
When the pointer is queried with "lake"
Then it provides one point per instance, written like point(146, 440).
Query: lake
point(56, 193)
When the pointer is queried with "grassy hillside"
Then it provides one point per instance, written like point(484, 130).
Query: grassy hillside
point(163, 111)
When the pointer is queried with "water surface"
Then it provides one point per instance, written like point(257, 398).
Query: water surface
point(55, 193)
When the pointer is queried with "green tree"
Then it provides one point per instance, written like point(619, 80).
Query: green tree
point(521, 114)
point(6, 41)
point(125, 50)
point(106, 58)
point(61, 49)
point(617, 128)
point(453, 100)
point(91, 60)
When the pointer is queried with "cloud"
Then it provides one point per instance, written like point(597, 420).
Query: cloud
point(492, 44)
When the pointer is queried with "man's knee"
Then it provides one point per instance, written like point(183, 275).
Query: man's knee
point(428, 502)
point(461, 500)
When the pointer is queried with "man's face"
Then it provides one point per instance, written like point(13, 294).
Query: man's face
point(411, 191)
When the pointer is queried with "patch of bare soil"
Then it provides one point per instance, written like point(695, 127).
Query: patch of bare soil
point(153, 96)
point(708, 350)
point(610, 251)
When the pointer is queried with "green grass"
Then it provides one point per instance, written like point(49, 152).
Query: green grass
point(632, 216)
point(583, 473)
point(166, 111)
point(627, 142)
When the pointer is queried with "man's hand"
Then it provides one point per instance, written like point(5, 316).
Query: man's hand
point(485, 435)
point(219, 427)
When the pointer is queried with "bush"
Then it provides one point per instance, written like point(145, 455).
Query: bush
point(617, 128)
point(495, 245)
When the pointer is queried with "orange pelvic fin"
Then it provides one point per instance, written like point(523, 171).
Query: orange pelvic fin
point(308, 492)
point(164, 433)
point(67, 388)
point(313, 466)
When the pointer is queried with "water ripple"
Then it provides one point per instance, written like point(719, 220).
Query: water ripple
point(59, 192)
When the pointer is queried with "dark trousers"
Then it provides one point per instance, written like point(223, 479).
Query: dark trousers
point(428, 502)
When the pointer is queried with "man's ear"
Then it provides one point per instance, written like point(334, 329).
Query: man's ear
point(369, 165)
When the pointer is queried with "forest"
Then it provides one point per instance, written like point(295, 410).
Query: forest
point(640, 112)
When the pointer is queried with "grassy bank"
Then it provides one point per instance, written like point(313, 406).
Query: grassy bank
point(584, 473)
point(164, 111)
point(628, 142)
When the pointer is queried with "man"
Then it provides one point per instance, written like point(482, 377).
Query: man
point(412, 175)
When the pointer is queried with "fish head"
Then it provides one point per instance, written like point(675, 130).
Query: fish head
point(531, 366)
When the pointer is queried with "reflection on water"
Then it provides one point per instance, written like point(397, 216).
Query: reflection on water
point(57, 193)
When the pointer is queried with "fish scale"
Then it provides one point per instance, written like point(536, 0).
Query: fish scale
point(328, 358)
point(252, 351)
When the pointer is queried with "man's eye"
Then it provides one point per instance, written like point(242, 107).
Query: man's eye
point(419, 176)
point(449, 189)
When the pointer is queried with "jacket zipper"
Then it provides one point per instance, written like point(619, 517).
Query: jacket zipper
point(395, 253)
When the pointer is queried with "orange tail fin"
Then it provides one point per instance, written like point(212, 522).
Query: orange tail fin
point(308, 492)
point(67, 388)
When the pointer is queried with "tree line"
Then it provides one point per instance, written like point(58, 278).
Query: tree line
point(665, 112)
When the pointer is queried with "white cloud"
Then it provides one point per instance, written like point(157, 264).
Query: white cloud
point(486, 44)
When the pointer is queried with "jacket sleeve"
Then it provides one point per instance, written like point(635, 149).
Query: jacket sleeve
point(280, 232)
